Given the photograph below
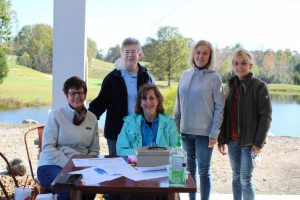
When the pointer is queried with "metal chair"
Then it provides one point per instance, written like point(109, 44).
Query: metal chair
point(12, 175)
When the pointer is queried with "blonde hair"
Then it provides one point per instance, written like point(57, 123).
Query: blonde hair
point(244, 54)
point(211, 49)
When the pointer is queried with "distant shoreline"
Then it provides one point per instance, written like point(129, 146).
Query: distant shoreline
point(11, 102)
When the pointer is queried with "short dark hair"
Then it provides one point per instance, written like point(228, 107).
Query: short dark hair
point(143, 91)
point(74, 82)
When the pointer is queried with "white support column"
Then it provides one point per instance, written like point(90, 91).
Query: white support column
point(69, 45)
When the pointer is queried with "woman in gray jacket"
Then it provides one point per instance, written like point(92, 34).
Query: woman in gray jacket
point(198, 113)
point(70, 130)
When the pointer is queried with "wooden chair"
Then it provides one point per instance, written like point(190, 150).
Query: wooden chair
point(39, 130)
point(12, 175)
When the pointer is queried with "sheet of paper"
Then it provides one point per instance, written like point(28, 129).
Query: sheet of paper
point(115, 166)
point(86, 162)
point(157, 168)
point(94, 175)
point(138, 176)
point(111, 168)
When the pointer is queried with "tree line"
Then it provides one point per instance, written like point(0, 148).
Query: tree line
point(282, 66)
point(166, 54)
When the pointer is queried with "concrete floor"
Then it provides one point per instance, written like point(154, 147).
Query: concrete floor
point(185, 196)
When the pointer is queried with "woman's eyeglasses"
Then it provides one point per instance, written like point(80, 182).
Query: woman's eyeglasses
point(73, 94)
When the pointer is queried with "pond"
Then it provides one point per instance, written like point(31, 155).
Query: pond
point(285, 122)
point(39, 114)
point(285, 115)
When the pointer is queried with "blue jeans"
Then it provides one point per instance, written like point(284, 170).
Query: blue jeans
point(112, 150)
point(196, 147)
point(46, 175)
point(242, 168)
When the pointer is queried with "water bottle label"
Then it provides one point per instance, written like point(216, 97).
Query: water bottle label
point(178, 163)
point(177, 178)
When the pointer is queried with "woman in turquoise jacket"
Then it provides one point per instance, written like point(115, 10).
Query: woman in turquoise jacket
point(149, 126)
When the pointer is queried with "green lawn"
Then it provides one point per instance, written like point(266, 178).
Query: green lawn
point(284, 89)
point(99, 69)
point(94, 85)
point(26, 85)
point(31, 87)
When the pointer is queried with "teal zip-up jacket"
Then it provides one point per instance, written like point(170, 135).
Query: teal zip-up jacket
point(131, 135)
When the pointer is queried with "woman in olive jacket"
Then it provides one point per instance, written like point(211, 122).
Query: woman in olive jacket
point(247, 118)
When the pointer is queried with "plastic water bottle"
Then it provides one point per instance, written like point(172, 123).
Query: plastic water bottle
point(177, 166)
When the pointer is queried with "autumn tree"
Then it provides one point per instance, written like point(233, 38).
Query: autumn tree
point(91, 50)
point(258, 57)
point(223, 60)
point(284, 60)
point(33, 47)
point(296, 75)
point(5, 21)
point(3, 65)
point(100, 54)
point(269, 60)
point(113, 53)
point(167, 54)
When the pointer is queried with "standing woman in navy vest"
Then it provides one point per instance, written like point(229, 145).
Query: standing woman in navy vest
point(119, 91)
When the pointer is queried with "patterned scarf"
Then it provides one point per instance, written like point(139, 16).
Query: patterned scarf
point(79, 116)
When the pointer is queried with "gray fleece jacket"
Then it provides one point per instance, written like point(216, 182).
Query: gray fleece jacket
point(62, 139)
point(200, 102)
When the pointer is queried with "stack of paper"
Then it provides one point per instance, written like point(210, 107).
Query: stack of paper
point(106, 169)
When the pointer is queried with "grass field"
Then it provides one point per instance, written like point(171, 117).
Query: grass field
point(284, 89)
point(96, 73)
point(99, 69)
point(27, 87)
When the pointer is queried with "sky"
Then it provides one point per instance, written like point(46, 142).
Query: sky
point(255, 24)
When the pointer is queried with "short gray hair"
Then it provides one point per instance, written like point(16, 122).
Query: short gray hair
point(132, 41)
